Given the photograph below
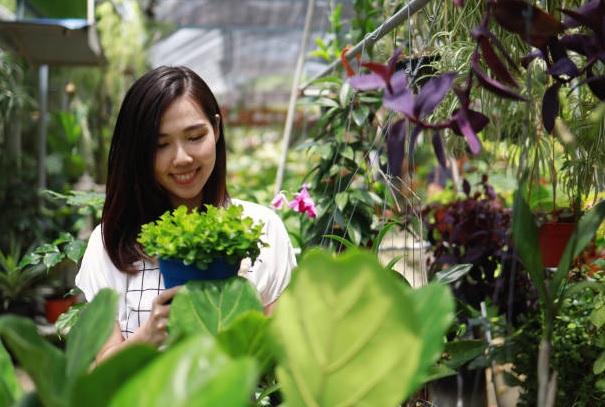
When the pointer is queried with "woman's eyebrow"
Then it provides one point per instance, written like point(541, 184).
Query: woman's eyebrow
point(196, 126)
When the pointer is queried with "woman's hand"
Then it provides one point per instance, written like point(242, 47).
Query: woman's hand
point(154, 330)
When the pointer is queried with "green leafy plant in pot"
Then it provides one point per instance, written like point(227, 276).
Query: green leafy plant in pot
point(196, 245)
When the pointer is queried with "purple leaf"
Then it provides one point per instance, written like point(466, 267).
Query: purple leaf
point(527, 59)
point(564, 66)
point(466, 187)
point(495, 63)
point(395, 134)
point(463, 124)
point(393, 60)
point(477, 119)
point(367, 82)
point(382, 71)
point(596, 84)
point(402, 99)
point(480, 32)
point(495, 86)
point(439, 148)
point(433, 93)
point(511, 15)
point(589, 15)
point(580, 43)
point(413, 138)
point(550, 106)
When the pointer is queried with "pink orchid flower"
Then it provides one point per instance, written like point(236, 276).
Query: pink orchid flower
point(279, 200)
point(303, 203)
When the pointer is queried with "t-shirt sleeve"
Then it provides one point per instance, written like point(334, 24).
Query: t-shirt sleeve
point(272, 270)
point(96, 271)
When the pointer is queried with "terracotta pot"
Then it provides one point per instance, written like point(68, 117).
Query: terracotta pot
point(54, 307)
point(553, 237)
point(176, 273)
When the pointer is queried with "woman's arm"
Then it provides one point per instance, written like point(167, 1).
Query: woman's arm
point(153, 331)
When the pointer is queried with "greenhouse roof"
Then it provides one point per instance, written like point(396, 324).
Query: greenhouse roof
point(242, 47)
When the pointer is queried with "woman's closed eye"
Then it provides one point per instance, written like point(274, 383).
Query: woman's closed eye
point(197, 137)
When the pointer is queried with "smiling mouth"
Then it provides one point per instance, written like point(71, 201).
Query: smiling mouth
point(184, 178)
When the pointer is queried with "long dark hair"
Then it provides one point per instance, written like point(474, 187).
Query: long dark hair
point(133, 197)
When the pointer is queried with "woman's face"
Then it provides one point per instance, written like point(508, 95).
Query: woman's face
point(185, 153)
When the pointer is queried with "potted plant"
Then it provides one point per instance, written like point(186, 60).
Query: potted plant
point(196, 245)
point(59, 260)
point(18, 283)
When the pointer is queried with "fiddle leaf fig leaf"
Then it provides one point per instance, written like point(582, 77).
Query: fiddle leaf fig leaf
point(248, 335)
point(347, 333)
point(43, 362)
point(196, 372)
point(434, 306)
point(10, 389)
point(96, 388)
point(89, 333)
point(211, 306)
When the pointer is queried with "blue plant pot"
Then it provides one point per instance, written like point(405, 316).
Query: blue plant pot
point(176, 273)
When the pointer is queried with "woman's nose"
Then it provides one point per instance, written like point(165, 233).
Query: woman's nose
point(181, 155)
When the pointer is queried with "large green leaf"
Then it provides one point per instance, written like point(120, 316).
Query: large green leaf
point(248, 335)
point(44, 362)
point(97, 388)
point(90, 332)
point(196, 372)
point(10, 390)
point(434, 306)
point(346, 334)
point(210, 306)
point(525, 239)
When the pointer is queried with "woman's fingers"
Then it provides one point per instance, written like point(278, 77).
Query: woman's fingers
point(166, 296)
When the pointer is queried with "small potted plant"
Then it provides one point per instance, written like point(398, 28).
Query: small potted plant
point(197, 245)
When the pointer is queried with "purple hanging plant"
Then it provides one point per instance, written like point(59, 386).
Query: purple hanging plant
point(399, 97)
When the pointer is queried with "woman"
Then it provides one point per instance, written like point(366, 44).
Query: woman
point(168, 149)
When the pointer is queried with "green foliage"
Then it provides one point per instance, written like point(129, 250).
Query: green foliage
point(344, 317)
point(344, 322)
point(551, 291)
point(17, 279)
point(194, 372)
point(576, 346)
point(223, 303)
point(64, 247)
point(53, 371)
point(201, 237)
point(18, 201)
point(10, 390)
point(344, 182)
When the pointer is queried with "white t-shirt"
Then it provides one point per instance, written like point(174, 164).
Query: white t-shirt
point(270, 274)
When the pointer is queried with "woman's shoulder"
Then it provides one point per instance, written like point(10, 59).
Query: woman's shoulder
point(96, 236)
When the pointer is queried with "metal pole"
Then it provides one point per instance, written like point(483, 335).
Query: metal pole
point(294, 95)
point(43, 89)
point(389, 25)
